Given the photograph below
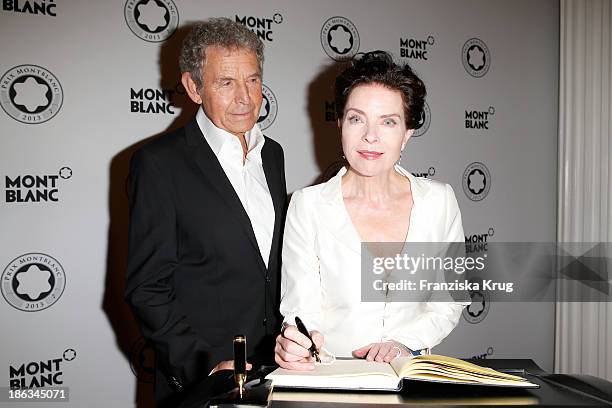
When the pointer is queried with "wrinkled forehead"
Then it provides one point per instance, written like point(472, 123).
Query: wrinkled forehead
point(230, 59)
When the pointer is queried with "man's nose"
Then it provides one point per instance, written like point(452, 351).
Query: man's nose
point(243, 94)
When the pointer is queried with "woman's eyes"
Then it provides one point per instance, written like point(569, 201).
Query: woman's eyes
point(354, 119)
point(390, 122)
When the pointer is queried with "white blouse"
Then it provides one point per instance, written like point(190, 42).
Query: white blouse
point(321, 273)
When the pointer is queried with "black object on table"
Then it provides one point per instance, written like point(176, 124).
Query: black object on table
point(556, 390)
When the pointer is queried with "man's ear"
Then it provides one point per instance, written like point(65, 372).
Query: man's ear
point(407, 136)
point(191, 87)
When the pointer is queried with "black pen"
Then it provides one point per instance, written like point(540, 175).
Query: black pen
point(304, 331)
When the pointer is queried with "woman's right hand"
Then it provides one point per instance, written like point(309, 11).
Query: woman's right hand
point(292, 349)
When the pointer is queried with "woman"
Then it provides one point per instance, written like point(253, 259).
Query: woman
point(372, 199)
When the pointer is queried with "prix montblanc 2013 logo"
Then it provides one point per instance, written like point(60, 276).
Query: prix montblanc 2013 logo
point(476, 57)
point(476, 181)
point(33, 282)
point(426, 121)
point(339, 38)
point(269, 108)
point(476, 311)
point(151, 20)
point(30, 94)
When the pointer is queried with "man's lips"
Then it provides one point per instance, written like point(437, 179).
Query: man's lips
point(369, 154)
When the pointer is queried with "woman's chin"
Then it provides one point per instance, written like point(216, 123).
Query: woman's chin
point(371, 169)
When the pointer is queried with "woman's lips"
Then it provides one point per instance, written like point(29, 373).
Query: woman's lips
point(369, 155)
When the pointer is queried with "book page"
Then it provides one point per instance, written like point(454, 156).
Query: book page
point(347, 374)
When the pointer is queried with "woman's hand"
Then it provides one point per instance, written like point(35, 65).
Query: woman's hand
point(292, 349)
point(384, 351)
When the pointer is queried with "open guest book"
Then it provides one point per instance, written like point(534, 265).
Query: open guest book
point(358, 374)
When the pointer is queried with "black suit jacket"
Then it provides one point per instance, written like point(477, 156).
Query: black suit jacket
point(195, 274)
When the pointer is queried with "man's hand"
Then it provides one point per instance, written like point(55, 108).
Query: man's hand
point(228, 365)
point(291, 350)
point(384, 351)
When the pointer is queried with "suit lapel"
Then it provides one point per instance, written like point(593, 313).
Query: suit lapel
point(211, 168)
point(273, 178)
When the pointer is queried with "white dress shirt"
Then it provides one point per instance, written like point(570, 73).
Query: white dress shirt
point(248, 179)
point(321, 272)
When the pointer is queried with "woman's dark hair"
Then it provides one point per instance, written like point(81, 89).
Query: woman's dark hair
point(377, 67)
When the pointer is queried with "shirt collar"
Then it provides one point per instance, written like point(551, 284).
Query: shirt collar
point(220, 140)
point(332, 191)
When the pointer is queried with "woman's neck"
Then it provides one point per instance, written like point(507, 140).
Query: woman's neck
point(374, 189)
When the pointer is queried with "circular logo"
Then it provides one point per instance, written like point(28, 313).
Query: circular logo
point(426, 121)
point(69, 354)
point(33, 282)
point(479, 308)
point(30, 94)
point(476, 57)
point(65, 172)
point(268, 110)
point(277, 18)
point(142, 361)
point(431, 171)
point(151, 20)
point(476, 181)
point(339, 38)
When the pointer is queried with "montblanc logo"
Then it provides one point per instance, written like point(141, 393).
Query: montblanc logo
point(426, 121)
point(415, 49)
point(33, 282)
point(152, 100)
point(45, 8)
point(478, 119)
point(30, 94)
point(476, 311)
point(151, 20)
point(40, 373)
point(476, 57)
point(35, 188)
point(488, 353)
point(478, 243)
point(339, 38)
point(431, 171)
point(476, 181)
point(269, 108)
point(262, 26)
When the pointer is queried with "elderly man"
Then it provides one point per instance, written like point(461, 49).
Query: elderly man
point(207, 205)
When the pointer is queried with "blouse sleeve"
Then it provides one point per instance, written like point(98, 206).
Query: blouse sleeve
point(300, 276)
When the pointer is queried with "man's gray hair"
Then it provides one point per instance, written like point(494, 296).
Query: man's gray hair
point(220, 32)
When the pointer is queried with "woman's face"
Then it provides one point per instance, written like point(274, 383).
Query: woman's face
point(373, 129)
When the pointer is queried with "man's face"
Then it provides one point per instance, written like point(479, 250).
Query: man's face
point(231, 88)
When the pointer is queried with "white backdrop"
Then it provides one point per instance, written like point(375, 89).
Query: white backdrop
point(76, 76)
